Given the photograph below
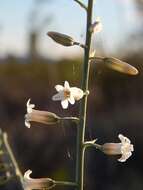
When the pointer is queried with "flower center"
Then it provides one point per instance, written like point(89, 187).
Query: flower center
point(126, 148)
point(67, 93)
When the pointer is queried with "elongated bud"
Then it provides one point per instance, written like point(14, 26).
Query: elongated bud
point(120, 66)
point(63, 39)
point(40, 183)
point(115, 64)
point(41, 117)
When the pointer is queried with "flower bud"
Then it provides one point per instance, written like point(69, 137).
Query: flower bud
point(44, 117)
point(62, 39)
point(40, 183)
point(41, 117)
point(120, 66)
point(115, 64)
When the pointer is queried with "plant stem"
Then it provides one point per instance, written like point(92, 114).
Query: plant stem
point(83, 105)
point(65, 183)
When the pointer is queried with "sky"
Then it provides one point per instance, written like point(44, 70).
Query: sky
point(68, 17)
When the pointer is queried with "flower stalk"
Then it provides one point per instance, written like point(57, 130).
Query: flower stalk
point(81, 4)
point(83, 105)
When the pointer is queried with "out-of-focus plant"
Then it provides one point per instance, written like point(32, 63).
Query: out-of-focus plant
point(67, 94)
point(9, 169)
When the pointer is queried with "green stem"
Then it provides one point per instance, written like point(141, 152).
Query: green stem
point(65, 183)
point(75, 119)
point(83, 105)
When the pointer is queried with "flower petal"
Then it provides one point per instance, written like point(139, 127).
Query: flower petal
point(28, 102)
point(64, 104)
point(124, 157)
point(29, 106)
point(71, 100)
point(59, 88)
point(124, 139)
point(27, 123)
point(77, 93)
point(66, 85)
point(27, 174)
point(58, 96)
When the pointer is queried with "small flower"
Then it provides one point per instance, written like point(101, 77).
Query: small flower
point(96, 26)
point(67, 94)
point(125, 148)
point(44, 117)
point(40, 183)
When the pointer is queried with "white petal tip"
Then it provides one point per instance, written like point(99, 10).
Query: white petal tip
point(65, 107)
point(27, 174)
point(28, 102)
point(66, 84)
point(59, 88)
point(64, 104)
point(27, 124)
point(29, 106)
point(120, 160)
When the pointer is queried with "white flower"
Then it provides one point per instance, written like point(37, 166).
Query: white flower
point(29, 111)
point(96, 26)
point(67, 94)
point(126, 148)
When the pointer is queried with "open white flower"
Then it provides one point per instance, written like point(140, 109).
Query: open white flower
point(67, 94)
point(125, 148)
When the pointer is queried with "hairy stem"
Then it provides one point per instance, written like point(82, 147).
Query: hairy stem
point(83, 105)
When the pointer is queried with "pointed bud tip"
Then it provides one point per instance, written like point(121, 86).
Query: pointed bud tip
point(120, 66)
point(62, 39)
point(49, 33)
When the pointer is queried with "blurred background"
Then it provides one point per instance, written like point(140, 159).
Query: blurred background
point(31, 64)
